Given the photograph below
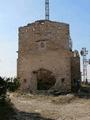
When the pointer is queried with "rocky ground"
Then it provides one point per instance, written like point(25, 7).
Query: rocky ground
point(41, 107)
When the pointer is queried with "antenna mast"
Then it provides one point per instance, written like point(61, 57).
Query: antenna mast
point(84, 53)
point(47, 9)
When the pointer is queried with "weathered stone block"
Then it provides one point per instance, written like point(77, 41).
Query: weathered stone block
point(44, 45)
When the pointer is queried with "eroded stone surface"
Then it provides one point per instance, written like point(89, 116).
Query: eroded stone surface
point(45, 45)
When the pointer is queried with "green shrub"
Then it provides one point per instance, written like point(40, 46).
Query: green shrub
point(12, 84)
point(3, 86)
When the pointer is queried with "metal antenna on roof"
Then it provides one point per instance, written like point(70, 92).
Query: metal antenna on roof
point(47, 9)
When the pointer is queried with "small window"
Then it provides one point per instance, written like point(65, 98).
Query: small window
point(24, 80)
point(42, 44)
point(34, 72)
point(62, 80)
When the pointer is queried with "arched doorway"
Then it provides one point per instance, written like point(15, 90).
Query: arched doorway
point(45, 79)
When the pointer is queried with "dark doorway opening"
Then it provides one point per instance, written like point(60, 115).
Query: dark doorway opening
point(45, 79)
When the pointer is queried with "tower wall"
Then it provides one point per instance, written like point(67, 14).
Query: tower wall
point(44, 44)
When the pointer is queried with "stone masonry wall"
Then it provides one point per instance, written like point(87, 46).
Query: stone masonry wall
point(44, 44)
point(75, 72)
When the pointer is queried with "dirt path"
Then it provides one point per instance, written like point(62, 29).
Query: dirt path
point(51, 108)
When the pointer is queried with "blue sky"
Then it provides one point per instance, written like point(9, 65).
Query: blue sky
point(16, 13)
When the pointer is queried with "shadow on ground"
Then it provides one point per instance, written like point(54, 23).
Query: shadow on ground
point(8, 112)
point(29, 116)
point(84, 92)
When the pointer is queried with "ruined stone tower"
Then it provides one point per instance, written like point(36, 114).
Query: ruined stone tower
point(45, 58)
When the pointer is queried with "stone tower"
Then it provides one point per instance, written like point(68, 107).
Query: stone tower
point(45, 59)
